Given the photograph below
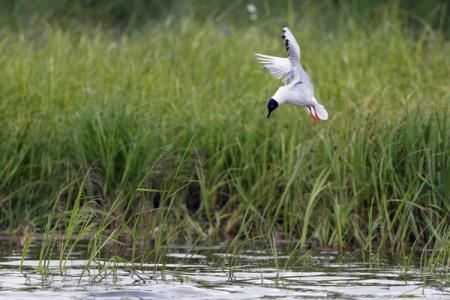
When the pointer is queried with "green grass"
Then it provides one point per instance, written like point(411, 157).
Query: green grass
point(159, 135)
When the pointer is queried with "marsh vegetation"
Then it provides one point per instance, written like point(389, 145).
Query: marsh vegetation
point(136, 127)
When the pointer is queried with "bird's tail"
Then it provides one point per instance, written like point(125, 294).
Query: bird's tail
point(321, 112)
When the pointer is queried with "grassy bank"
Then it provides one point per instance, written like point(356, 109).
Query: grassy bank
point(159, 134)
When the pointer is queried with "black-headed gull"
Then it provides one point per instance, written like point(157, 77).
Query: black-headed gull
point(298, 88)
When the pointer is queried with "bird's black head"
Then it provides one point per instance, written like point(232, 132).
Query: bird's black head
point(271, 106)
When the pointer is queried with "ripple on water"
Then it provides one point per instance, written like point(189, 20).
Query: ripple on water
point(205, 275)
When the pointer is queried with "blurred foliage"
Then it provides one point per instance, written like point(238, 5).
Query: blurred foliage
point(166, 123)
point(132, 14)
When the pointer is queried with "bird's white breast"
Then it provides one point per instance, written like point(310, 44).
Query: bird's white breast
point(294, 94)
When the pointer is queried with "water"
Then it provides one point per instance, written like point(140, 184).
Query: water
point(205, 275)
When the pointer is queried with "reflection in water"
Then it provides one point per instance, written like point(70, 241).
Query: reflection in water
point(205, 275)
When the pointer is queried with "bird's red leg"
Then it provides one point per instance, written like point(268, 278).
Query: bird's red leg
point(314, 115)
point(311, 114)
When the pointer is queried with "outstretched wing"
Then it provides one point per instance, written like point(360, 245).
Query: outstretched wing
point(292, 47)
point(286, 69)
point(279, 67)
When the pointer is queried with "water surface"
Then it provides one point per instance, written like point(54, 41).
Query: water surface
point(207, 275)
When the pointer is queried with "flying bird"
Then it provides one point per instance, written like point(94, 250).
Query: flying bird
point(298, 88)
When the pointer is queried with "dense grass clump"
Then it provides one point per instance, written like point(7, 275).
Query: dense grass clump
point(160, 134)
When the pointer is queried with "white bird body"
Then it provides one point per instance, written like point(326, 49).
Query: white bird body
point(294, 94)
point(298, 88)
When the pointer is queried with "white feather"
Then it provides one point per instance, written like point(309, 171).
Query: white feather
point(293, 50)
point(321, 111)
point(298, 88)
point(278, 66)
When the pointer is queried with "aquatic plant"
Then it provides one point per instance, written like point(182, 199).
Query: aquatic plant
point(151, 135)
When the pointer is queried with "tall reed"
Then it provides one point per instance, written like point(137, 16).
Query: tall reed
point(156, 135)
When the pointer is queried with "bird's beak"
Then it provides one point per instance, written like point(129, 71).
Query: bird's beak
point(268, 115)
